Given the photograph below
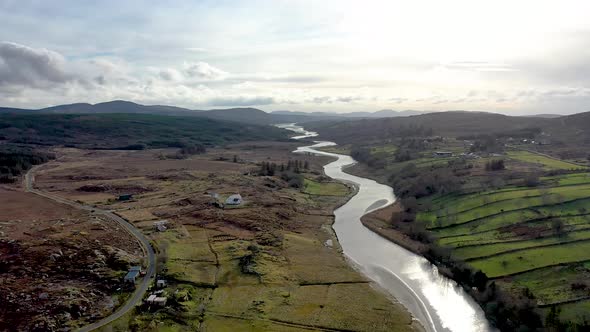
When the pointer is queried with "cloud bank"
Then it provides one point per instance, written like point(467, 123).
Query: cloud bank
point(341, 56)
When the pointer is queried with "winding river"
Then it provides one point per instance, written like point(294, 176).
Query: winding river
point(436, 301)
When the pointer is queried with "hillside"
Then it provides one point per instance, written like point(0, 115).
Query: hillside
point(387, 113)
point(124, 130)
point(243, 115)
point(441, 124)
point(12, 110)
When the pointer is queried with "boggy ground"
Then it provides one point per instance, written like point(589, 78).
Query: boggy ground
point(59, 267)
point(270, 264)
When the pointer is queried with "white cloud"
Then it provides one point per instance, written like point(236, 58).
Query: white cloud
point(232, 101)
point(26, 66)
point(170, 74)
point(341, 56)
point(203, 70)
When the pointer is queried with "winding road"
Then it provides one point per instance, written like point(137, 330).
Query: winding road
point(142, 287)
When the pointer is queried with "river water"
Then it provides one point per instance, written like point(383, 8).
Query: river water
point(436, 301)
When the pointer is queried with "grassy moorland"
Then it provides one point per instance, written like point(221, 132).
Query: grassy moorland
point(270, 264)
point(505, 213)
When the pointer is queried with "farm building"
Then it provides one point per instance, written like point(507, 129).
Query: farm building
point(443, 154)
point(235, 199)
point(125, 197)
point(160, 226)
point(131, 276)
point(157, 300)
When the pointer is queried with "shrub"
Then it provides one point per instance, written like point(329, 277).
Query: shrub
point(495, 165)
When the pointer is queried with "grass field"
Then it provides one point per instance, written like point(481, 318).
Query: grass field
point(535, 238)
point(339, 149)
point(548, 163)
point(552, 284)
point(324, 188)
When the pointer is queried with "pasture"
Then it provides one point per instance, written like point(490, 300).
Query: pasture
point(535, 238)
point(546, 162)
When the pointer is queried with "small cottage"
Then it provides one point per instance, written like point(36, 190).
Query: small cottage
point(160, 226)
point(160, 301)
point(235, 199)
point(161, 283)
point(156, 300)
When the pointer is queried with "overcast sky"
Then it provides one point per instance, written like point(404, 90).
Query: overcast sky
point(514, 57)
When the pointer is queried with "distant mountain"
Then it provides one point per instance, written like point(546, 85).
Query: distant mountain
point(117, 106)
point(12, 110)
point(244, 115)
point(546, 116)
point(330, 115)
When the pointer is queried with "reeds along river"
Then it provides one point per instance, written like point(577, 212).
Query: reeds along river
point(436, 301)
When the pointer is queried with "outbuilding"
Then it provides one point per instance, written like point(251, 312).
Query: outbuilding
point(160, 226)
point(235, 199)
point(125, 197)
point(443, 154)
point(131, 276)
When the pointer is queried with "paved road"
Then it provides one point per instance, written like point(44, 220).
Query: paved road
point(147, 248)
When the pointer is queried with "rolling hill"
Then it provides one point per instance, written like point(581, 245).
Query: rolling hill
point(456, 123)
point(247, 115)
point(114, 131)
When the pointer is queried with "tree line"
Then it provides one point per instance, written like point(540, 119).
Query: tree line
point(290, 172)
point(15, 160)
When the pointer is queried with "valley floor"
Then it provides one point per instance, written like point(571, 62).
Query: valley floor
point(272, 263)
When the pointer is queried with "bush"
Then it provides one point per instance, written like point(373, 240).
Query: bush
point(532, 180)
point(193, 149)
point(495, 165)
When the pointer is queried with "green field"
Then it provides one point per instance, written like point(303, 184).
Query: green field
point(533, 258)
point(552, 284)
point(324, 188)
point(534, 238)
point(548, 163)
point(344, 149)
